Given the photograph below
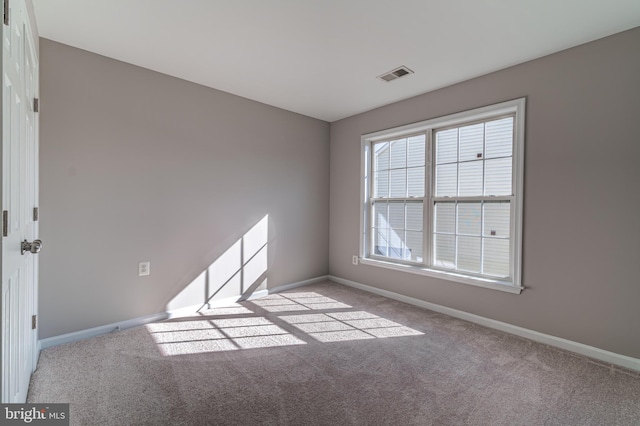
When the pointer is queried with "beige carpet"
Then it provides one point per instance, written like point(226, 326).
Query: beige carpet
point(329, 355)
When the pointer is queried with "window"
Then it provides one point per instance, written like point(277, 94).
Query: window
point(443, 197)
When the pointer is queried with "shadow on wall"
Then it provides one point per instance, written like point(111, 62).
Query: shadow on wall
point(235, 275)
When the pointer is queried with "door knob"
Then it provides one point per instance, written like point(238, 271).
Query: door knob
point(33, 247)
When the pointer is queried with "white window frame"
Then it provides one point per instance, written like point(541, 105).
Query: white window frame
point(514, 107)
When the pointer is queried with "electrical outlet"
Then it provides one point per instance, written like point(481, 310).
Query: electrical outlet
point(144, 268)
point(354, 260)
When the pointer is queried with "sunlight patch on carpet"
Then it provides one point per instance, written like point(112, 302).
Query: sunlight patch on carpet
point(342, 326)
point(193, 337)
point(290, 320)
point(298, 302)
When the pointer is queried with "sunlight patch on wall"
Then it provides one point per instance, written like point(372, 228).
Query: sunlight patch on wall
point(235, 274)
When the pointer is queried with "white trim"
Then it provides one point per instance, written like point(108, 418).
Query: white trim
point(365, 169)
point(256, 295)
point(195, 309)
point(506, 286)
point(518, 190)
point(558, 342)
point(189, 310)
point(479, 114)
point(285, 287)
point(98, 331)
point(37, 357)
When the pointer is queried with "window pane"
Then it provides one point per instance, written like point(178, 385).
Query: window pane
point(381, 242)
point(496, 257)
point(414, 246)
point(381, 215)
point(498, 177)
point(398, 157)
point(398, 183)
point(447, 146)
point(445, 251)
point(497, 219)
point(470, 176)
point(445, 219)
point(447, 180)
point(396, 244)
point(469, 218)
point(499, 138)
point(381, 151)
point(469, 254)
point(381, 185)
point(414, 216)
point(415, 151)
point(471, 142)
point(415, 177)
point(396, 215)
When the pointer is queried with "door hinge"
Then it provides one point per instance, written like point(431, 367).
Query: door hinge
point(36, 105)
point(35, 214)
point(5, 223)
point(6, 12)
point(34, 322)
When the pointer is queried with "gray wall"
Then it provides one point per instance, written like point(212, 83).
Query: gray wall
point(137, 165)
point(581, 220)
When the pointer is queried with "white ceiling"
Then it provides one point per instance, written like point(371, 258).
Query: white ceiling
point(321, 57)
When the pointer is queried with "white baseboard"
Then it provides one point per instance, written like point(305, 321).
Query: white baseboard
point(568, 345)
point(36, 356)
point(103, 329)
point(291, 286)
point(123, 325)
point(256, 295)
point(194, 309)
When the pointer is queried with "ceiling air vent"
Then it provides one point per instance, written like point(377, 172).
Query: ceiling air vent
point(396, 73)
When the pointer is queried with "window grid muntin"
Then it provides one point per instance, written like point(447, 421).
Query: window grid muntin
point(481, 235)
point(429, 239)
point(373, 199)
point(480, 198)
point(483, 159)
point(405, 230)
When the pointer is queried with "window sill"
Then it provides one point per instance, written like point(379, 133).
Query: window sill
point(505, 286)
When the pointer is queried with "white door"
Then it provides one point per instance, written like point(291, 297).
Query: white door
point(19, 198)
